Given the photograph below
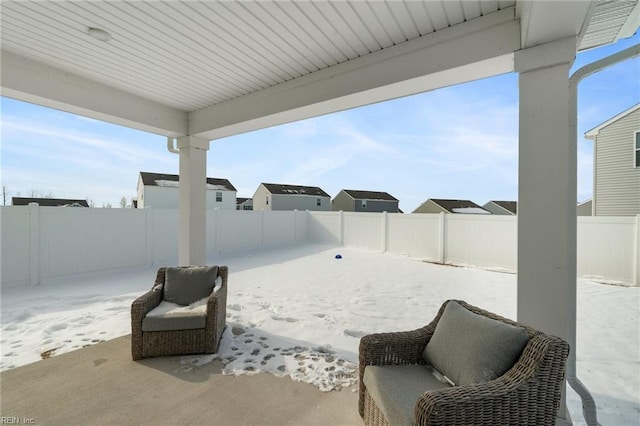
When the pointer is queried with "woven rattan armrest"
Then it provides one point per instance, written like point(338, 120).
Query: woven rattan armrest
point(217, 312)
point(404, 347)
point(504, 400)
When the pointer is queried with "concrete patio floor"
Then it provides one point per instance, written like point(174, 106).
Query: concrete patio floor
point(101, 385)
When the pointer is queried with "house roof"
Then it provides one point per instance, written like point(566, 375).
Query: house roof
point(282, 189)
point(49, 202)
point(455, 206)
point(512, 206)
point(591, 134)
point(162, 179)
point(369, 195)
point(241, 200)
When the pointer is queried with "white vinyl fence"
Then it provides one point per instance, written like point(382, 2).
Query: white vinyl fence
point(608, 247)
point(38, 243)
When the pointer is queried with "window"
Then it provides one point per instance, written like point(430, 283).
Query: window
point(637, 146)
point(218, 197)
point(364, 204)
point(318, 202)
point(267, 200)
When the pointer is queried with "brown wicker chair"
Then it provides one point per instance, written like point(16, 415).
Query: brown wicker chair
point(527, 394)
point(176, 342)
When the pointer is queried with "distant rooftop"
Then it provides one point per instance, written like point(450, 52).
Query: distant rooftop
point(282, 189)
point(369, 195)
point(459, 206)
point(163, 179)
point(512, 206)
point(49, 202)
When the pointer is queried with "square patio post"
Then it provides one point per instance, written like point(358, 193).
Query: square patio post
point(192, 219)
point(547, 193)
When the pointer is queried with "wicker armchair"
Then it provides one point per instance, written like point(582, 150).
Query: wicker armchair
point(176, 342)
point(527, 394)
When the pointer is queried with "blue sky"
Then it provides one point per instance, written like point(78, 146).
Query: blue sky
point(457, 142)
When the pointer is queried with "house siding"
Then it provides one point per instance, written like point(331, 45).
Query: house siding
point(162, 197)
point(377, 206)
point(299, 202)
point(616, 179)
point(343, 201)
point(260, 199)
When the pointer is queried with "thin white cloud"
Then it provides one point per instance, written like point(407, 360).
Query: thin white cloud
point(61, 138)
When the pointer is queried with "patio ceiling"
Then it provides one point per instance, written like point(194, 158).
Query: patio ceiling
point(213, 69)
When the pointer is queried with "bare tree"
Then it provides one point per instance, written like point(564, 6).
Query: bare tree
point(91, 202)
point(123, 202)
point(39, 194)
point(5, 195)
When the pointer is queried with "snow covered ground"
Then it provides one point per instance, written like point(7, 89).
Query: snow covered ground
point(299, 311)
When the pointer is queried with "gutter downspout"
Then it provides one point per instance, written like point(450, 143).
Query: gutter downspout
point(171, 145)
point(588, 403)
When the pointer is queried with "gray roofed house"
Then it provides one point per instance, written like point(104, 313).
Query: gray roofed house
point(275, 196)
point(502, 207)
point(163, 179)
point(49, 202)
point(244, 203)
point(434, 205)
point(160, 190)
point(352, 200)
point(616, 164)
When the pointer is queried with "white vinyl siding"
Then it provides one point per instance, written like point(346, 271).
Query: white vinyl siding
point(637, 149)
point(616, 175)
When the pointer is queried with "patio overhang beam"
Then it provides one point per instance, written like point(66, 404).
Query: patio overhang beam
point(35, 82)
point(476, 49)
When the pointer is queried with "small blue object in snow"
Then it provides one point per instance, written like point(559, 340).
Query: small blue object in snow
point(338, 256)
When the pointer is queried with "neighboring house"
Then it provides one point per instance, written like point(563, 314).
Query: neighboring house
point(272, 196)
point(350, 200)
point(161, 191)
point(502, 207)
point(48, 202)
point(616, 164)
point(433, 205)
point(585, 208)
point(244, 203)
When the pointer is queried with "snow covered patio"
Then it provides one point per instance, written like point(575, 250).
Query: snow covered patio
point(295, 311)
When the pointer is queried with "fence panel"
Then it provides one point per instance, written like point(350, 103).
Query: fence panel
point(77, 240)
point(482, 240)
point(238, 230)
point(324, 227)
point(415, 235)
point(606, 248)
point(162, 235)
point(15, 235)
point(278, 228)
point(363, 230)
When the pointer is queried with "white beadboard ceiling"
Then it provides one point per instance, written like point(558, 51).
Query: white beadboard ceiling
point(193, 55)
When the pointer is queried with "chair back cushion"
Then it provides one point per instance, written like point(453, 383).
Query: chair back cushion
point(471, 348)
point(186, 285)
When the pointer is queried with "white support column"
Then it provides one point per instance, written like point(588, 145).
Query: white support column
point(547, 193)
point(193, 203)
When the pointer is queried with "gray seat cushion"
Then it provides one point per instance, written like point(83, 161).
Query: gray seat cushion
point(169, 316)
point(186, 285)
point(396, 389)
point(471, 348)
